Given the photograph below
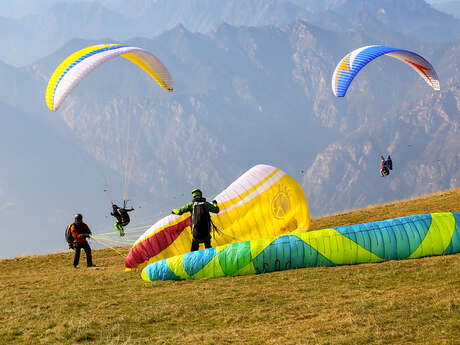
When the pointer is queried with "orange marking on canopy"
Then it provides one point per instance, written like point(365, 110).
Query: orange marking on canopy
point(343, 66)
point(421, 68)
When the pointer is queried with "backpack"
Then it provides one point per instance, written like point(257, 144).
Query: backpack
point(69, 237)
point(124, 216)
point(201, 221)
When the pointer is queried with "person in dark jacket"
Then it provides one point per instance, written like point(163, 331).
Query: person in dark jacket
point(122, 216)
point(80, 232)
point(200, 218)
point(389, 163)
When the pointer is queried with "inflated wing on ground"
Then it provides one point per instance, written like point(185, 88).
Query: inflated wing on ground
point(81, 63)
point(263, 202)
point(353, 62)
point(394, 239)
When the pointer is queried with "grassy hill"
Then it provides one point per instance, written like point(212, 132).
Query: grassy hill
point(43, 300)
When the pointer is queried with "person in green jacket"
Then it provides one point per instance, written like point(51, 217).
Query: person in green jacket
point(200, 219)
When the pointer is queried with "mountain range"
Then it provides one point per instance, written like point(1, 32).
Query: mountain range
point(248, 90)
point(61, 21)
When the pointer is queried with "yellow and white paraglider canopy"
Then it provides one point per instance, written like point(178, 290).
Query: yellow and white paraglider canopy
point(263, 202)
point(81, 63)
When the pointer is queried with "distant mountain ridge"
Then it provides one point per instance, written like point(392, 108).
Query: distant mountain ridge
point(243, 95)
point(61, 21)
point(451, 7)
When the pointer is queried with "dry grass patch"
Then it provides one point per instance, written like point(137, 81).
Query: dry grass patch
point(446, 201)
point(44, 300)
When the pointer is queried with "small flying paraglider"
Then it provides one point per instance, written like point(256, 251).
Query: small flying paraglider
point(385, 166)
point(77, 66)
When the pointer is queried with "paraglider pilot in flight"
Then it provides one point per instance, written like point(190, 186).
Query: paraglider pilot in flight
point(386, 166)
point(122, 216)
point(200, 219)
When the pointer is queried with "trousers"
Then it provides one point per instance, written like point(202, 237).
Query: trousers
point(76, 258)
point(196, 244)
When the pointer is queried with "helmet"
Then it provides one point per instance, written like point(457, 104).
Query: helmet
point(196, 193)
point(115, 207)
point(78, 216)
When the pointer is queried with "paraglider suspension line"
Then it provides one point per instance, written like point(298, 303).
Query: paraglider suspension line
point(103, 244)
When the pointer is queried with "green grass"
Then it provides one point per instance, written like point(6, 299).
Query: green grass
point(43, 300)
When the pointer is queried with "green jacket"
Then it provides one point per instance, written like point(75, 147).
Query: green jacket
point(189, 206)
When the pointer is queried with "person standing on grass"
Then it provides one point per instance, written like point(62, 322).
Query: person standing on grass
point(80, 232)
point(200, 218)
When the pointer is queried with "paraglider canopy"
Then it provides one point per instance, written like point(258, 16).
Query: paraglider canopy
point(81, 63)
point(353, 62)
point(261, 203)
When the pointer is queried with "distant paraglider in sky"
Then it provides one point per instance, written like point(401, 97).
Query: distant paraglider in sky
point(81, 63)
point(353, 62)
point(385, 166)
point(126, 128)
